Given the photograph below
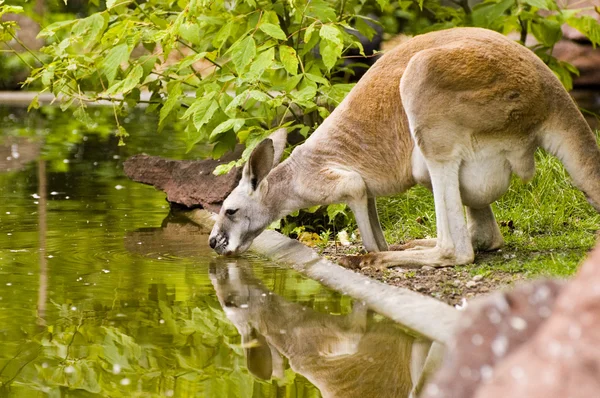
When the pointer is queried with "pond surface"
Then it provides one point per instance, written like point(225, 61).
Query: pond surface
point(104, 293)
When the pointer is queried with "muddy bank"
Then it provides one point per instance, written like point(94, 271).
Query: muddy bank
point(450, 284)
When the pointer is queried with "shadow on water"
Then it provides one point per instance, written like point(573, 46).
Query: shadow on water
point(101, 295)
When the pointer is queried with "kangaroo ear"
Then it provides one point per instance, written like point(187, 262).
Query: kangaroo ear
point(279, 138)
point(258, 355)
point(260, 163)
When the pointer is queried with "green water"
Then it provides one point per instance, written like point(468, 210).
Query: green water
point(103, 293)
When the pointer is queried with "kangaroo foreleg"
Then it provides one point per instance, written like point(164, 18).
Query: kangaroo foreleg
point(453, 245)
point(376, 225)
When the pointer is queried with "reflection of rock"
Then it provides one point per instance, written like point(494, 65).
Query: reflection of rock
point(541, 340)
point(186, 182)
point(177, 236)
point(345, 356)
point(16, 152)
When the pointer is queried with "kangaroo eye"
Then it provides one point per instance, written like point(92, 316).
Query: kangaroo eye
point(231, 212)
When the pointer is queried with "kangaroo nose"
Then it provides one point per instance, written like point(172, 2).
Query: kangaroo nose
point(212, 242)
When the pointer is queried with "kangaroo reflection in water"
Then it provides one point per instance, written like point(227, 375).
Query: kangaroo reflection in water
point(342, 355)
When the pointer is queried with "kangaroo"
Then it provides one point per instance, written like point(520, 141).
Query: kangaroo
point(341, 355)
point(458, 111)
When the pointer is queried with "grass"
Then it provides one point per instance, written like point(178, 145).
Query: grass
point(547, 224)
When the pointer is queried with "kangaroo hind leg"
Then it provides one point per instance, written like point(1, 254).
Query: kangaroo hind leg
point(484, 231)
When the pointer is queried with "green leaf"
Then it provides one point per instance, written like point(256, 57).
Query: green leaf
point(289, 59)
point(227, 125)
point(309, 31)
point(51, 29)
point(364, 28)
point(223, 34)
point(383, 3)
point(203, 111)
point(546, 31)
point(90, 29)
point(113, 60)
point(486, 14)
point(262, 62)
point(224, 168)
point(541, 4)
point(331, 33)
point(243, 53)
point(330, 53)
point(110, 4)
point(121, 134)
point(82, 116)
point(588, 26)
point(273, 31)
point(172, 100)
point(334, 210)
point(132, 79)
point(258, 95)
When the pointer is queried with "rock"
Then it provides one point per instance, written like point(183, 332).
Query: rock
point(189, 183)
point(471, 284)
point(584, 57)
point(490, 329)
point(563, 358)
point(427, 268)
point(478, 278)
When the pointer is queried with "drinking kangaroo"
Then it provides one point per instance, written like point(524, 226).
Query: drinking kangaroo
point(457, 111)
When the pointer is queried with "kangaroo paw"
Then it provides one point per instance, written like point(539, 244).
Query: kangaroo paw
point(362, 261)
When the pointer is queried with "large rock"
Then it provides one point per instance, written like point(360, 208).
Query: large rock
point(190, 183)
point(540, 341)
point(487, 333)
point(563, 358)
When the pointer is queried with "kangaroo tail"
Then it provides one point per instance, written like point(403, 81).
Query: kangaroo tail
point(569, 137)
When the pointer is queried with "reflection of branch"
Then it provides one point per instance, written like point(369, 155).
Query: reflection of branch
point(22, 367)
point(73, 337)
point(43, 287)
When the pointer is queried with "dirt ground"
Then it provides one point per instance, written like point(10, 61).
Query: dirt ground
point(450, 284)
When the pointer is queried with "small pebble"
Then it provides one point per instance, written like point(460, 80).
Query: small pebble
point(471, 284)
point(420, 288)
point(427, 268)
point(477, 278)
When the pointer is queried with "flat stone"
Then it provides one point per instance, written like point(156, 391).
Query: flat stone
point(471, 284)
point(478, 278)
point(189, 183)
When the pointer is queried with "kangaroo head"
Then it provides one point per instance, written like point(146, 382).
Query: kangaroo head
point(246, 212)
